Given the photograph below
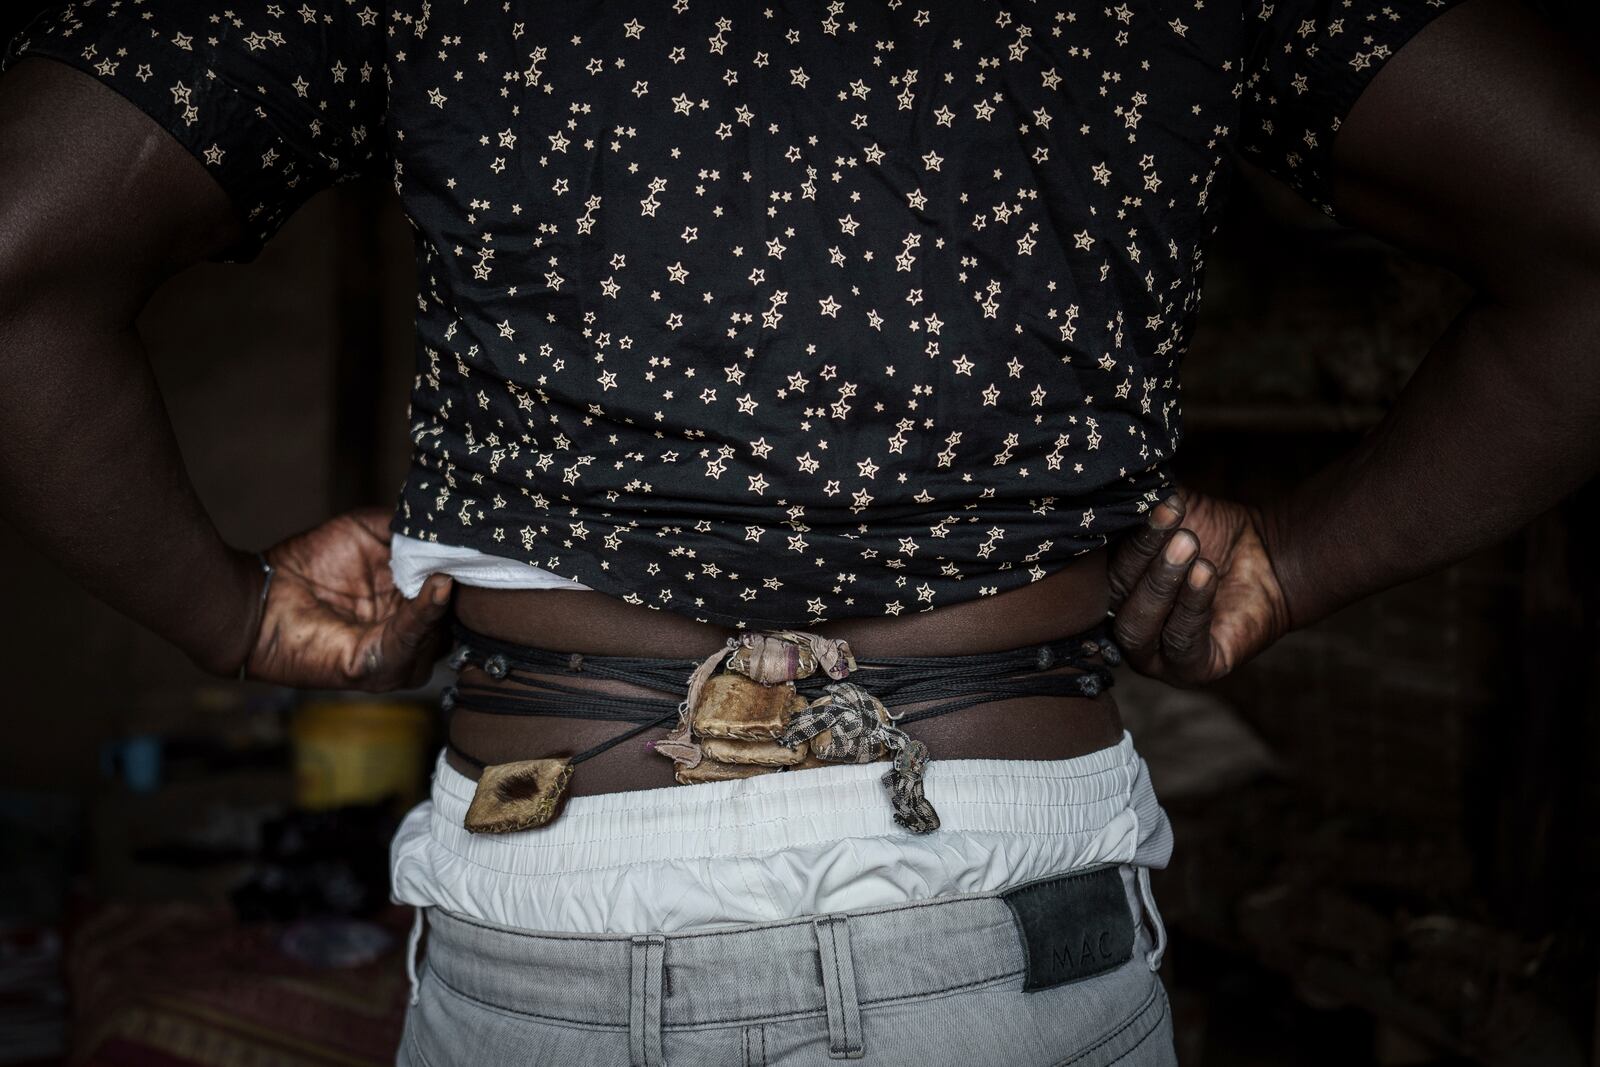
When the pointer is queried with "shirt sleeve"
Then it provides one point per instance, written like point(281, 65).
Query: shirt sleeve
point(277, 100)
point(1306, 62)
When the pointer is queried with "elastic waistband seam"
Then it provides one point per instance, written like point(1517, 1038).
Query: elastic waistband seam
point(1122, 801)
point(566, 872)
point(1129, 1023)
point(874, 1002)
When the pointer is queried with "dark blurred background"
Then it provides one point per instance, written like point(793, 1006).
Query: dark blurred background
point(1386, 825)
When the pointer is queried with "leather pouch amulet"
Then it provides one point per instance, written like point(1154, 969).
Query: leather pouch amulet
point(760, 753)
point(517, 796)
point(732, 706)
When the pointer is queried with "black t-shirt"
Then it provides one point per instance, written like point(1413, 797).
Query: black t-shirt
point(770, 314)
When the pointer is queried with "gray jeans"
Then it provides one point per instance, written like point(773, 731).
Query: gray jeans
point(1056, 972)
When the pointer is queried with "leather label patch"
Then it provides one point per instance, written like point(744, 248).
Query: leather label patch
point(1073, 927)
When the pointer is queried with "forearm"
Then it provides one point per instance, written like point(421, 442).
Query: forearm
point(100, 206)
point(1498, 424)
point(91, 474)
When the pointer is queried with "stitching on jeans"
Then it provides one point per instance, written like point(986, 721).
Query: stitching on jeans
point(838, 977)
point(753, 1020)
point(843, 1042)
point(590, 1024)
point(1153, 1028)
point(822, 1012)
point(750, 1049)
point(644, 1008)
point(636, 1013)
point(415, 1049)
point(659, 944)
point(647, 995)
point(1114, 1034)
point(945, 989)
point(585, 1024)
point(1128, 1023)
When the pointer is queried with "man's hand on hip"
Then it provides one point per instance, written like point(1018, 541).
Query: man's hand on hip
point(1194, 591)
point(334, 619)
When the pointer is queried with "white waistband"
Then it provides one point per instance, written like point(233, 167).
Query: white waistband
point(778, 845)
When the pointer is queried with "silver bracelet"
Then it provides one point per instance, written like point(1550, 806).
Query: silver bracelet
point(261, 610)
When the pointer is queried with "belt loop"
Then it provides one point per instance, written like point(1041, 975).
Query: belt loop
point(412, 944)
point(1153, 914)
point(645, 972)
point(839, 987)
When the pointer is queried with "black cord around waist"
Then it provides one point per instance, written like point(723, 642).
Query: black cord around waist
point(966, 680)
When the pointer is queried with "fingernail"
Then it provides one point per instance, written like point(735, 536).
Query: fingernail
point(1181, 548)
point(1167, 513)
point(1200, 575)
point(442, 592)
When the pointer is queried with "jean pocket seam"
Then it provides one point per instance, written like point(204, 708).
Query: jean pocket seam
point(415, 1049)
point(1121, 1028)
point(1165, 1007)
point(512, 1013)
point(943, 991)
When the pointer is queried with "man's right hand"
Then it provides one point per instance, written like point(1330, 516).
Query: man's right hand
point(334, 619)
point(1194, 591)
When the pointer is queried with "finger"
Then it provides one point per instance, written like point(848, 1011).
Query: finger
point(1186, 638)
point(1140, 620)
point(414, 625)
point(1133, 556)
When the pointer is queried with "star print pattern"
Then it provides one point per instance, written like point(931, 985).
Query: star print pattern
point(771, 315)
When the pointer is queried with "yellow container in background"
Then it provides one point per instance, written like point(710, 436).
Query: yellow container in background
point(358, 751)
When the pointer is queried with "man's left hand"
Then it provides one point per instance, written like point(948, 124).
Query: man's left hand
point(1194, 591)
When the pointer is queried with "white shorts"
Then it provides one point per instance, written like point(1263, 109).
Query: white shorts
point(778, 846)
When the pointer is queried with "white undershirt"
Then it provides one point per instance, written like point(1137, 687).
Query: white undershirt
point(411, 561)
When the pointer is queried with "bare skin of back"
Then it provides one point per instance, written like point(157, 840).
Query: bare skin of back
point(1067, 602)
